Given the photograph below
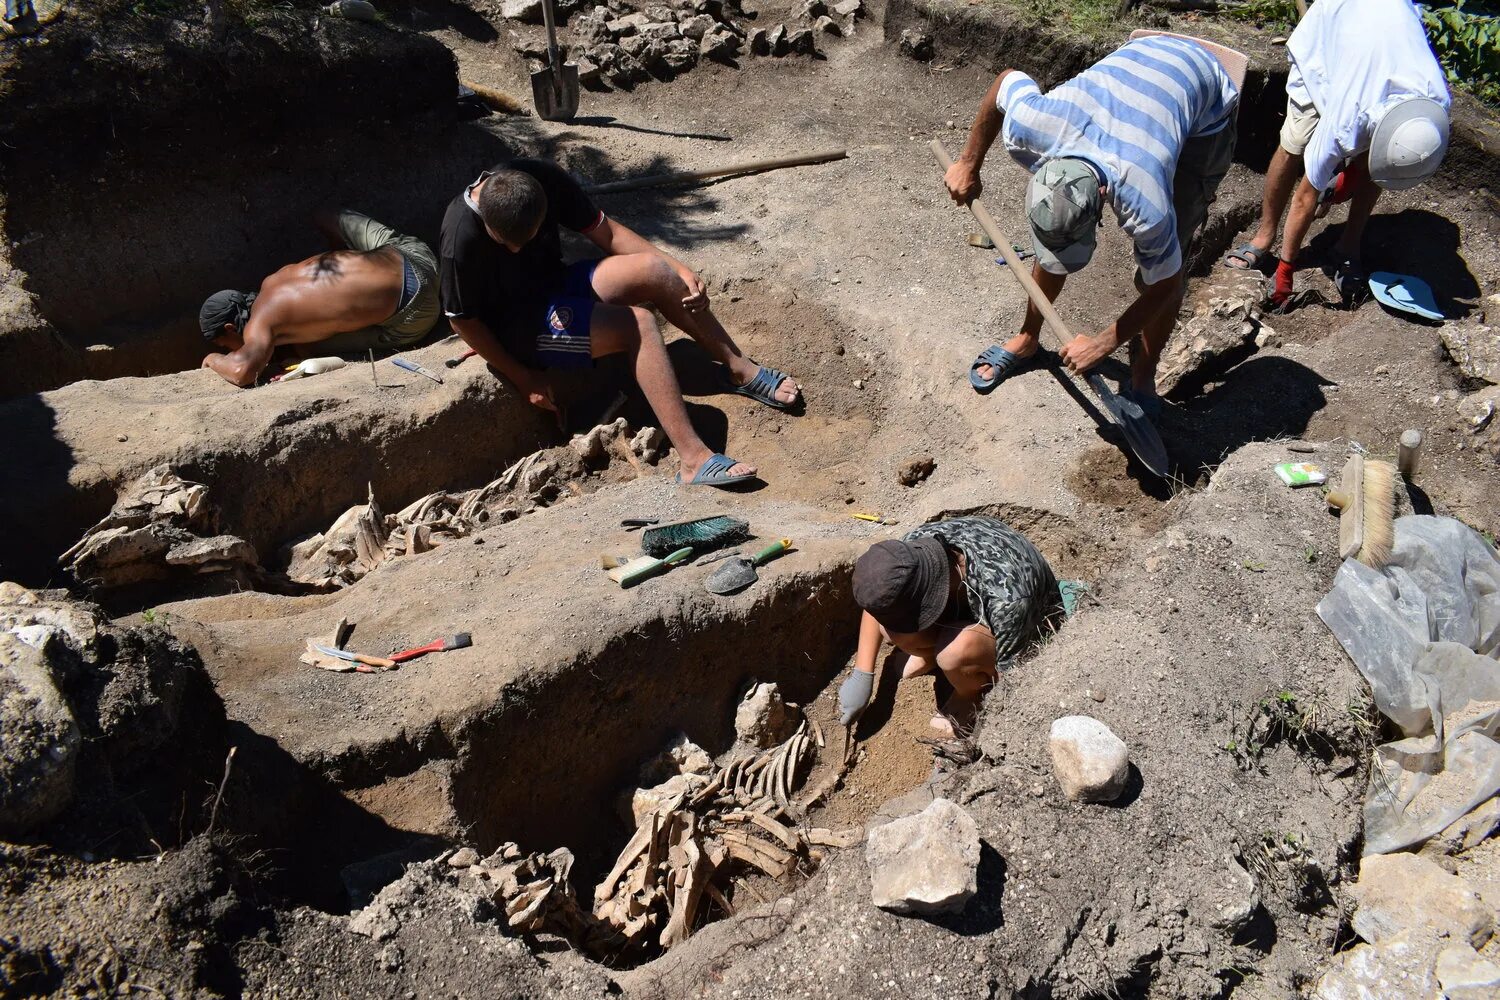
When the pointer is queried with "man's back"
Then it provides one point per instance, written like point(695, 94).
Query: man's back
point(330, 293)
point(1130, 114)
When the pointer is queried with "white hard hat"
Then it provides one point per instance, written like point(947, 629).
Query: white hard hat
point(1409, 143)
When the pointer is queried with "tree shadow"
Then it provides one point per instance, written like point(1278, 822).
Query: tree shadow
point(1417, 242)
point(1263, 399)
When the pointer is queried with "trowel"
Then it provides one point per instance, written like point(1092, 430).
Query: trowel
point(554, 90)
point(737, 574)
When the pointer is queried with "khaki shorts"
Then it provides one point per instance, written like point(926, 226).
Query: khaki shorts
point(1297, 130)
point(416, 320)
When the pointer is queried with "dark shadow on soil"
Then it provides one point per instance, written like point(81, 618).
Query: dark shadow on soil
point(985, 913)
point(305, 828)
point(609, 121)
point(883, 701)
point(1134, 783)
point(433, 15)
point(33, 460)
point(1262, 399)
point(1417, 242)
point(1111, 369)
point(1259, 933)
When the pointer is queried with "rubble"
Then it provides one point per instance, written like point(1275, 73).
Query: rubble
point(161, 528)
point(1419, 924)
point(719, 43)
point(1090, 761)
point(916, 44)
point(1404, 892)
point(927, 863)
point(827, 26)
point(1475, 348)
point(801, 42)
point(916, 470)
point(364, 537)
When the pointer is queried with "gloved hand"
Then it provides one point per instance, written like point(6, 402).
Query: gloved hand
point(854, 695)
point(1281, 287)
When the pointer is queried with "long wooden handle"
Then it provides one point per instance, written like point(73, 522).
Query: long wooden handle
point(750, 167)
point(987, 223)
point(555, 63)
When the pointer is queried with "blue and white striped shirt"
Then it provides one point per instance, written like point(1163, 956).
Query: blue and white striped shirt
point(1129, 115)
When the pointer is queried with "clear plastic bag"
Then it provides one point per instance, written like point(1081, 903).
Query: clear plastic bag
point(1425, 633)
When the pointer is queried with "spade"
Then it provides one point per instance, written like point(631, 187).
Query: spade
point(737, 574)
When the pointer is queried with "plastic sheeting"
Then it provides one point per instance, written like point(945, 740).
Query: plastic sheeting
point(1425, 632)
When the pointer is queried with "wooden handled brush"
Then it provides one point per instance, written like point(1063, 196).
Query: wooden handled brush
point(1366, 501)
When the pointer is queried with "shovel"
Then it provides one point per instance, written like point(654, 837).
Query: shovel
point(737, 574)
point(554, 90)
point(1140, 437)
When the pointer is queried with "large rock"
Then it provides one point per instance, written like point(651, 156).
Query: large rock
point(916, 44)
point(925, 864)
point(1464, 975)
point(1400, 968)
point(1475, 348)
point(39, 738)
point(525, 11)
point(719, 43)
point(763, 719)
point(1091, 763)
point(697, 26)
point(87, 709)
point(1405, 893)
point(1224, 325)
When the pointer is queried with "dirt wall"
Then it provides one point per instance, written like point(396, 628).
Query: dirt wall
point(173, 164)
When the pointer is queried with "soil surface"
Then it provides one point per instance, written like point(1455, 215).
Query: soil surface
point(855, 276)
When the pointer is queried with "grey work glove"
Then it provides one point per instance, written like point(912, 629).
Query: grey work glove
point(854, 695)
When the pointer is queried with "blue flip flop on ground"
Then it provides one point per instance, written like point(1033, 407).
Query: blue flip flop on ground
point(1405, 293)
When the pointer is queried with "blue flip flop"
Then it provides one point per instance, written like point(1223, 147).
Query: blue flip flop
point(712, 473)
point(1405, 293)
point(762, 388)
point(1003, 362)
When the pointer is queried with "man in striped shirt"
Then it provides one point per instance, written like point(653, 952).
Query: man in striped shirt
point(1149, 129)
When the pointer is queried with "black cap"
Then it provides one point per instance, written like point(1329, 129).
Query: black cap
point(228, 306)
point(904, 585)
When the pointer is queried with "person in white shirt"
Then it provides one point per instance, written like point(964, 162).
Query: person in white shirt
point(1367, 109)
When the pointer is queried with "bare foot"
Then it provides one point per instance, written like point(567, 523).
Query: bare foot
point(1022, 345)
point(916, 666)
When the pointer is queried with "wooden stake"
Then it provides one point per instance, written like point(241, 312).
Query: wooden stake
point(1409, 453)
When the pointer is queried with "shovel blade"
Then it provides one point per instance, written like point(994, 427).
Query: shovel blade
point(1140, 436)
point(554, 92)
point(735, 575)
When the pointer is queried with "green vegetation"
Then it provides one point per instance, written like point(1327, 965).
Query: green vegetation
point(1097, 19)
point(1466, 37)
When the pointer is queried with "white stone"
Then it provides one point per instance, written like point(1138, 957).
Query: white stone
point(527, 11)
point(1090, 761)
point(1233, 896)
point(1400, 968)
point(925, 864)
point(1404, 892)
point(1464, 975)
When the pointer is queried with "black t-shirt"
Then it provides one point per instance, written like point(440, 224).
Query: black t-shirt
point(507, 291)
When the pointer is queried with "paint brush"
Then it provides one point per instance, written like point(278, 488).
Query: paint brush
point(457, 641)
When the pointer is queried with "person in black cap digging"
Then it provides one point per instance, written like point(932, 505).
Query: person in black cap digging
point(963, 596)
point(379, 290)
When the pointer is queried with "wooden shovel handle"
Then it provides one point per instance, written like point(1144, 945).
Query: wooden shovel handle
point(987, 223)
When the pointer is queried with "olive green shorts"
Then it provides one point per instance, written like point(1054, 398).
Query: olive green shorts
point(409, 324)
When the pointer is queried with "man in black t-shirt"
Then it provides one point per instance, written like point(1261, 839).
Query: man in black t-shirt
point(509, 295)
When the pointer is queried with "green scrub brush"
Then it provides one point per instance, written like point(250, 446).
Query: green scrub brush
point(703, 534)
